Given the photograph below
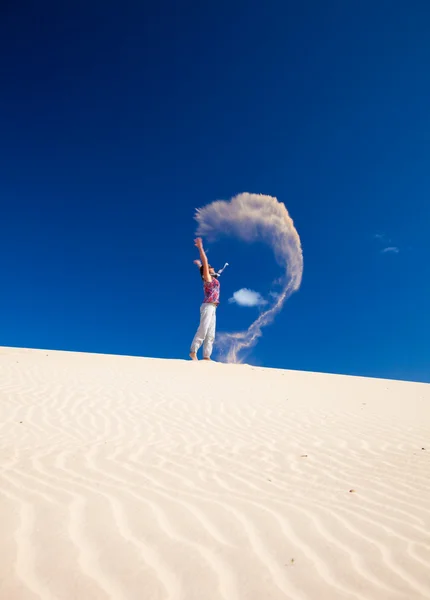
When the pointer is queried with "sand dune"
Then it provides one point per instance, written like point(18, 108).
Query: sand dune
point(141, 479)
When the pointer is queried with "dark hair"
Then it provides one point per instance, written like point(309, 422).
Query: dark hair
point(201, 271)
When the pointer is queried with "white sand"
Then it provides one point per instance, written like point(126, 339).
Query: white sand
point(143, 479)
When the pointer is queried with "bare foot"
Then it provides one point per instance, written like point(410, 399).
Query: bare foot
point(193, 356)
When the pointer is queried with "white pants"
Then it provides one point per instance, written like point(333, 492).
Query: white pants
point(206, 332)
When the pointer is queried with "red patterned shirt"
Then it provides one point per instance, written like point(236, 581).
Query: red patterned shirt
point(211, 290)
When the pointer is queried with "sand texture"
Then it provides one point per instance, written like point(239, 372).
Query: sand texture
point(141, 479)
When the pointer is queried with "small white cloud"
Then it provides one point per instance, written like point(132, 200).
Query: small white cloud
point(390, 250)
point(245, 297)
point(379, 236)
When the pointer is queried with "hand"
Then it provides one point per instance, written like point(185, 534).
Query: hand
point(198, 263)
point(199, 243)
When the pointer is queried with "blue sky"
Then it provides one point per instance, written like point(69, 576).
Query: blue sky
point(117, 121)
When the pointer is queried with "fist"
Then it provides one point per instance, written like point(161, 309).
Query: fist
point(198, 242)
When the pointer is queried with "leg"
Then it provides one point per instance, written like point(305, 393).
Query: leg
point(205, 320)
point(210, 336)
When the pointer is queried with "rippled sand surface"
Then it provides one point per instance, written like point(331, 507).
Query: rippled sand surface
point(140, 479)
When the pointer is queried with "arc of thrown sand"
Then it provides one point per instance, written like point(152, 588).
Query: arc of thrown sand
point(252, 217)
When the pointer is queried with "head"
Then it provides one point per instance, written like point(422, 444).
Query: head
point(211, 271)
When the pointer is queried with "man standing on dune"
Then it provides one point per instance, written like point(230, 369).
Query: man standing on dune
point(206, 332)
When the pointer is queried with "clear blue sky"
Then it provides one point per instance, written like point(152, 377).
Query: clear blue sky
point(118, 120)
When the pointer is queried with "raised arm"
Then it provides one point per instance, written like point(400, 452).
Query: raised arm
point(206, 275)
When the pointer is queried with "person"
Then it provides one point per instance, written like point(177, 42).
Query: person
point(206, 332)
